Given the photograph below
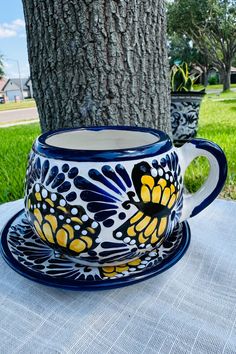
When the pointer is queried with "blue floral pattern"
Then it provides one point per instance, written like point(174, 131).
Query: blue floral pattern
point(58, 179)
point(102, 201)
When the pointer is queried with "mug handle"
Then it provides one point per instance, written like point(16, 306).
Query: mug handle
point(195, 203)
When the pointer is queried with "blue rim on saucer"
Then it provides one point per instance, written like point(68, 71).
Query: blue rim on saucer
point(29, 256)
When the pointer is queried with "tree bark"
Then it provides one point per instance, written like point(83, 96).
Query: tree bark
point(100, 62)
point(205, 76)
point(226, 78)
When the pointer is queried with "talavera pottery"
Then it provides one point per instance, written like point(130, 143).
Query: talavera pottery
point(109, 195)
point(27, 254)
point(185, 108)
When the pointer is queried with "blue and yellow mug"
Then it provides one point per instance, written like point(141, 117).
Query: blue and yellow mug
point(106, 195)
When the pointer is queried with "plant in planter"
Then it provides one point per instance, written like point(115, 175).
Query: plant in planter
point(185, 104)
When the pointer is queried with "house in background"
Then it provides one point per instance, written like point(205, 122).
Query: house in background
point(206, 76)
point(233, 75)
point(2, 94)
point(215, 73)
point(12, 89)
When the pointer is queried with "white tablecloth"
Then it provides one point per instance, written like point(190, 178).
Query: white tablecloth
point(191, 308)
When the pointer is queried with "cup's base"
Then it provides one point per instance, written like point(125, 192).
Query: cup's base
point(92, 263)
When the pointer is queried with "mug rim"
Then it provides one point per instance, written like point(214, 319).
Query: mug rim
point(78, 155)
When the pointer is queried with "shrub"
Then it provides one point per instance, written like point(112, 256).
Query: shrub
point(213, 80)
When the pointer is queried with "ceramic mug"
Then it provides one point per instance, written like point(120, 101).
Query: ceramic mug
point(106, 195)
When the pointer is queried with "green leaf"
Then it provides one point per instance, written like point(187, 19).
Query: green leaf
point(189, 84)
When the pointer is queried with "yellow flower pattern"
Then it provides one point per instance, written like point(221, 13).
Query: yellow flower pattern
point(59, 224)
point(150, 229)
point(113, 271)
point(158, 195)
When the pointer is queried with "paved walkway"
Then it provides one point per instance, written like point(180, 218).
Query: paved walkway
point(18, 115)
point(24, 122)
point(218, 90)
point(30, 115)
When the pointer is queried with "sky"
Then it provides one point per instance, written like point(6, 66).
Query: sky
point(13, 38)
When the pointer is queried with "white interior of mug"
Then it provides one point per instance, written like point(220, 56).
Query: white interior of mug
point(101, 139)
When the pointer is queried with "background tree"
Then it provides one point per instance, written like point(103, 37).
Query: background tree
point(211, 24)
point(1, 67)
point(181, 48)
point(98, 62)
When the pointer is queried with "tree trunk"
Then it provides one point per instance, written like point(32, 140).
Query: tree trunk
point(100, 62)
point(226, 78)
point(205, 76)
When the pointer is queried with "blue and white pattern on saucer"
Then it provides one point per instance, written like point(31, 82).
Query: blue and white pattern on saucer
point(31, 257)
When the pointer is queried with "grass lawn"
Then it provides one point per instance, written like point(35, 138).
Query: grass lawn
point(15, 144)
point(217, 123)
point(17, 105)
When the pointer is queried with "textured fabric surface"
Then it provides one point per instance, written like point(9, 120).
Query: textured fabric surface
point(191, 308)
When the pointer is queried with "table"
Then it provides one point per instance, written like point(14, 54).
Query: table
point(191, 308)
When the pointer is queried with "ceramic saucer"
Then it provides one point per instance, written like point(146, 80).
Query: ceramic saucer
point(29, 256)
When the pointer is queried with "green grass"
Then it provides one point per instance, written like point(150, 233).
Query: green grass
point(212, 87)
point(29, 103)
point(217, 123)
point(15, 144)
